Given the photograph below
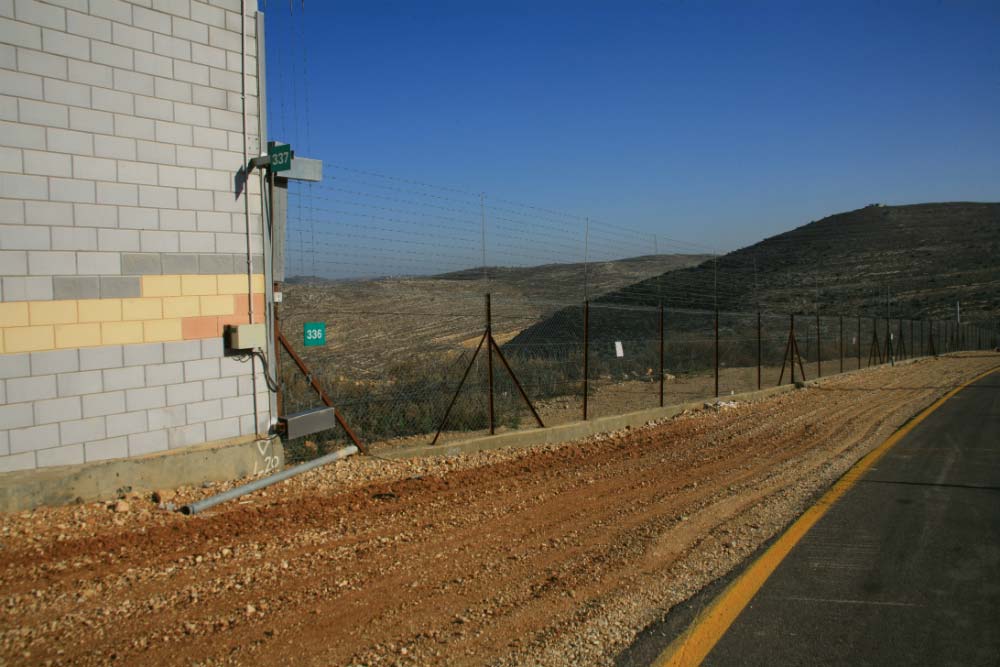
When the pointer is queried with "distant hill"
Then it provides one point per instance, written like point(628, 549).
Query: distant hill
point(920, 258)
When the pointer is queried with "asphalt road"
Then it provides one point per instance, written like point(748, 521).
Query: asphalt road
point(904, 569)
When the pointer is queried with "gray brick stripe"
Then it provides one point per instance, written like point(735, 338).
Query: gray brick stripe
point(44, 288)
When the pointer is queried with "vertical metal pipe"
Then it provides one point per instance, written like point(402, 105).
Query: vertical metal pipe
point(276, 289)
point(841, 340)
point(904, 349)
point(716, 351)
point(877, 349)
point(791, 344)
point(586, 355)
point(819, 347)
point(758, 349)
point(489, 358)
point(482, 218)
point(661, 355)
point(890, 350)
point(276, 362)
point(905, 344)
point(859, 342)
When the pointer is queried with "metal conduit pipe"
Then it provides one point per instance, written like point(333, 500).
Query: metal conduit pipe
point(264, 482)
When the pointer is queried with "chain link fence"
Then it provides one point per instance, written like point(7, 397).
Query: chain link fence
point(585, 318)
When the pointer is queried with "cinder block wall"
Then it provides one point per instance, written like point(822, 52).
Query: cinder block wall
point(123, 235)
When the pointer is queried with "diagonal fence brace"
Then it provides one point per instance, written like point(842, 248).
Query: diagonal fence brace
point(322, 393)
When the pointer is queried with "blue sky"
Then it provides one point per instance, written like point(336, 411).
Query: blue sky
point(717, 123)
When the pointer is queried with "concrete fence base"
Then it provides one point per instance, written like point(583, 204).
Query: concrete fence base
point(584, 429)
point(214, 461)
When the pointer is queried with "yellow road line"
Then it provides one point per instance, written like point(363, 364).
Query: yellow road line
point(691, 647)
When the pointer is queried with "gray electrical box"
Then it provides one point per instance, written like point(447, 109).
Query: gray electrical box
point(307, 422)
point(245, 336)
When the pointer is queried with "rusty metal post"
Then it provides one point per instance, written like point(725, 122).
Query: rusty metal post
point(791, 344)
point(819, 347)
point(716, 351)
point(276, 289)
point(923, 350)
point(878, 348)
point(798, 355)
point(586, 355)
point(276, 363)
point(318, 388)
point(758, 350)
point(859, 342)
point(489, 359)
point(661, 355)
point(904, 344)
point(784, 358)
point(890, 350)
point(841, 341)
point(901, 343)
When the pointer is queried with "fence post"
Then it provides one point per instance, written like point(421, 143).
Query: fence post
point(841, 343)
point(489, 358)
point(758, 350)
point(716, 351)
point(890, 349)
point(661, 355)
point(859, 342)
point(791, 334)
point(819, 347)
point(586, 354)
point(906, 348)
point(877, 350)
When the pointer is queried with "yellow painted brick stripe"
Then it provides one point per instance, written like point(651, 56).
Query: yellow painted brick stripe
point(156, 316)
point(694, 645)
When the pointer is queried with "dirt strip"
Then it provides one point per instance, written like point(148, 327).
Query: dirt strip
point(553, 555)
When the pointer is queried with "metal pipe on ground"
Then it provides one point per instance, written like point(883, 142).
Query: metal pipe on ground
point(264, 482)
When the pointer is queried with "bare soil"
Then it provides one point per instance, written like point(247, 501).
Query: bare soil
point(552, 555)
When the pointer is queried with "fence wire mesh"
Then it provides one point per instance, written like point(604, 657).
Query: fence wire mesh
point(584, 315)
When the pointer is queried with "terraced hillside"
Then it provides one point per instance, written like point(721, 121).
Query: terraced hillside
point(912, 261)
point(374, 324)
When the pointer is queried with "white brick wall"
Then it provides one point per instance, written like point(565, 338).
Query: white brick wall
point(120, 132)
point(118, 401)
point(124, 106)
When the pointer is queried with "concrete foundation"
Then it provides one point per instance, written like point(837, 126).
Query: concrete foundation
point(214, 461)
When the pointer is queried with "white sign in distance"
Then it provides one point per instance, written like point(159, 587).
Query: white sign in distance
point(619, 352)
